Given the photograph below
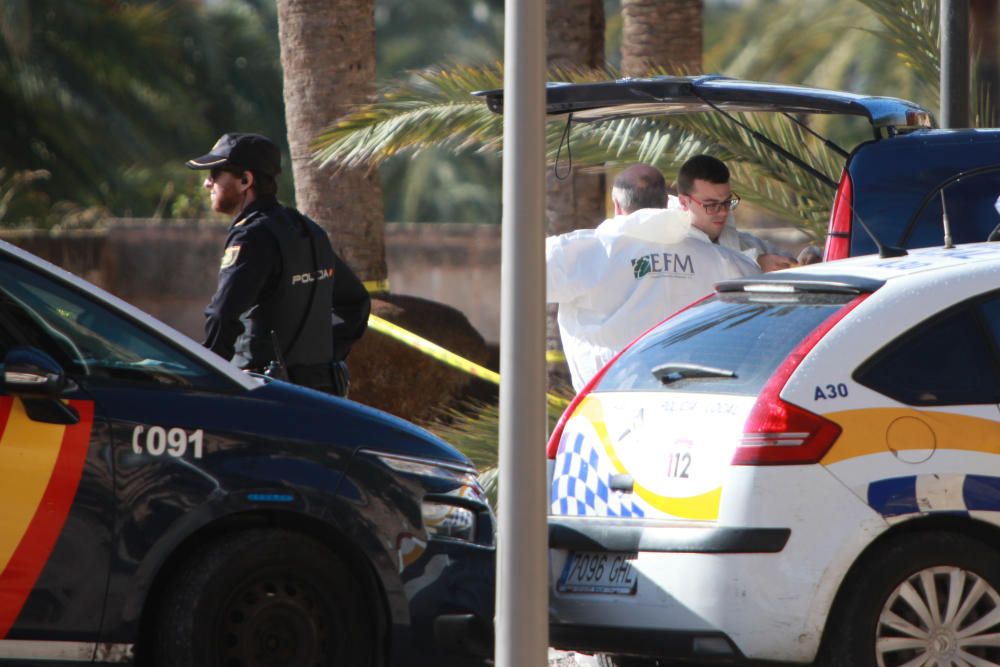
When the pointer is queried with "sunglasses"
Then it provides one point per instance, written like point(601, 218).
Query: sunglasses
point(717, 207)
point(216, 172)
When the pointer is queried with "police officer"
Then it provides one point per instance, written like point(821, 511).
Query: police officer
point(285, 304)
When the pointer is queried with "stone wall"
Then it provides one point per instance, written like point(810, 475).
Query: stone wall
point(169, 269)
point(453, 263)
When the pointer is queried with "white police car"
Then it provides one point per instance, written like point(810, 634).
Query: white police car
point(804, 464)
point(161, 507)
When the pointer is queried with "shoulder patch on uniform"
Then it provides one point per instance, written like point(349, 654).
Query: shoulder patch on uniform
point(229, 256)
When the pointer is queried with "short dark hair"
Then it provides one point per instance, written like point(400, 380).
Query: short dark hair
point(703, 167)
point(264, 185)
point(640, 186)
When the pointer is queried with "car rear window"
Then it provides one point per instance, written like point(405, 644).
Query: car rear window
point(948, 360)
point(728, 344)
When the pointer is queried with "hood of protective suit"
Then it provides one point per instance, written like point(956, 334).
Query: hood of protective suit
point(655, 225)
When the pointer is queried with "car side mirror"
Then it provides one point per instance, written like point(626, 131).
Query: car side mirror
point(38, 379)
point(27, 371)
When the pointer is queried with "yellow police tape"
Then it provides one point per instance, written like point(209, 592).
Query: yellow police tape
point(377, 286)
point(437, 352)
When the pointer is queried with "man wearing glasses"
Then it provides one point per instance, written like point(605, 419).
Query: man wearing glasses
point(703, 189)
point(286, 304)
point(615, 281)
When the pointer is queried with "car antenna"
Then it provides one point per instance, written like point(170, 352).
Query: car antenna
point(994, 235)
point(884, 251)
point(945, 223)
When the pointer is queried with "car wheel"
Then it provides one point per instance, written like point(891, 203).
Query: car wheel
point(264, 598)
point(928, 599)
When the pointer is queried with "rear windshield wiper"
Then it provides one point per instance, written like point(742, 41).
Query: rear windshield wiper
point(668, 373)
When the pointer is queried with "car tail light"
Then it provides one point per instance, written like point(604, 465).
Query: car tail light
point(553, 446)
point(838, 237)
point(779, 433)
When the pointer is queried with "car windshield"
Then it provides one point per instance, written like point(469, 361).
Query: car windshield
point(87, 338)
point(728, 344)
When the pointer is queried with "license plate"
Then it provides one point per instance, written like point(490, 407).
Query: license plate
point(587, 572)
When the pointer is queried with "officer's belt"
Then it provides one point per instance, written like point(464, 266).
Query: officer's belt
point(311, 375)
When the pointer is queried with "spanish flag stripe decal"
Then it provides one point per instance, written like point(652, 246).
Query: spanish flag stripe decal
point(33, 454)
point(5, 409)
point(28, 454)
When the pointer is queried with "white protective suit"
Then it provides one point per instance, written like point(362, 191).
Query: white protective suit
point(614, 282)
point(744, 242)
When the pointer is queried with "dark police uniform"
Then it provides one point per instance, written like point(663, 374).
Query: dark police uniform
point(279, 273)
point(283, 295)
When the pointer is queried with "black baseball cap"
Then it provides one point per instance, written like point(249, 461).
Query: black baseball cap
point(252, 152)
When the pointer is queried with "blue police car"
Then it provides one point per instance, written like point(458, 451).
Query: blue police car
point(160, 507)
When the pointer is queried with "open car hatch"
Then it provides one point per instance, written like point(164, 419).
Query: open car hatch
point(589, 102)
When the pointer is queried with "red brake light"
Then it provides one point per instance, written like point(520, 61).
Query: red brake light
point(552, 448)
point(779, 433)
point(838, 237)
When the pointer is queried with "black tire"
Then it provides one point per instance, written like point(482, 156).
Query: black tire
point(264, 598)
point(952, 570)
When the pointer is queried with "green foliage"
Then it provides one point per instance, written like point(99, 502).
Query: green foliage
point(433, 108)
point(438, 184)
point(441, 186)
point(111, 97)
point(474, 430)
point(413, 35)
point(18, 192)
point(911, 29)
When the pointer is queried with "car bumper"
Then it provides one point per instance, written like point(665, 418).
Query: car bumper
point(450, 592)
point(758, 584)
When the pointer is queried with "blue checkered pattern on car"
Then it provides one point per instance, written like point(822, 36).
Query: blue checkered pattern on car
point(580, 483)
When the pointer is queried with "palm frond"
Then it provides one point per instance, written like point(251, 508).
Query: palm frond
point(474, 431)
point(435, 109)
point(432, 108)
point(911, 27)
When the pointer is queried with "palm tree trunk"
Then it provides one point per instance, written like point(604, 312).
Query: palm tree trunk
point(575, 38)
point(328, 58)
point(661, 33)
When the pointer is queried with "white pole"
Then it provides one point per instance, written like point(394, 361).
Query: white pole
point(522, 628)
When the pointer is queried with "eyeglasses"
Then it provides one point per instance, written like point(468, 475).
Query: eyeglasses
point(717, 207)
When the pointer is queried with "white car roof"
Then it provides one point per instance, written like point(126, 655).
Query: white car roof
point(869, 272)
point(191, 347)
point(916, 261)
